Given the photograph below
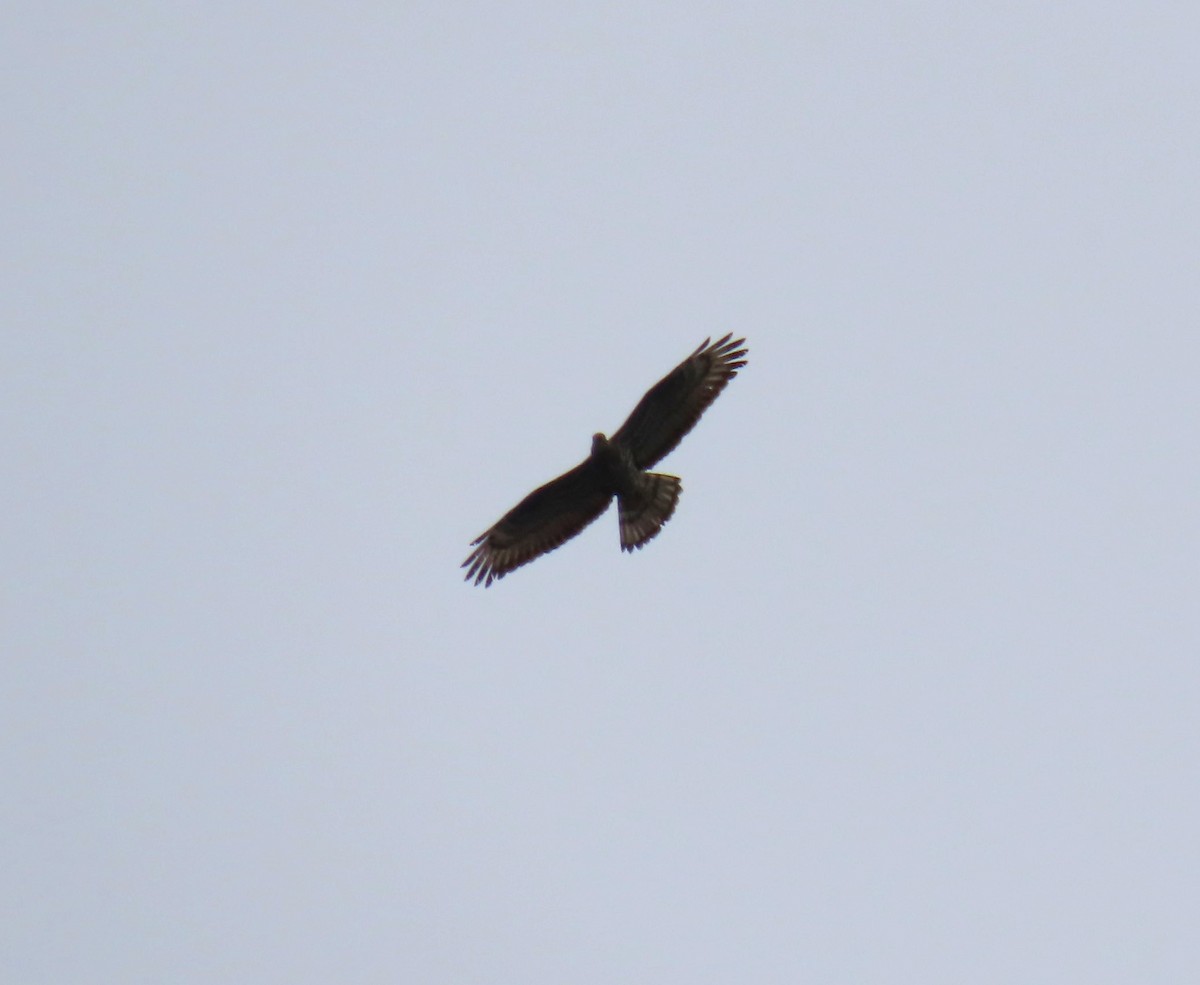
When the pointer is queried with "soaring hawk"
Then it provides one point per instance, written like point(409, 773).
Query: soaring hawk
point(557, 511)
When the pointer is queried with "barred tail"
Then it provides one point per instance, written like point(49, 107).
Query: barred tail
point(643, 512)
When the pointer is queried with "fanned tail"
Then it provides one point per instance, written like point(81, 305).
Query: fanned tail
point(643, 512)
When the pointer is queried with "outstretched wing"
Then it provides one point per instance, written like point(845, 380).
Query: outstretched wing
point(674, 404)
point(546, 518)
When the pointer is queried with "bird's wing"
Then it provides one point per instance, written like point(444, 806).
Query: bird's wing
point(546, 518)
point(674, 404)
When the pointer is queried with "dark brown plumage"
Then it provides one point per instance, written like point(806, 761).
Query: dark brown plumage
point(557, 511)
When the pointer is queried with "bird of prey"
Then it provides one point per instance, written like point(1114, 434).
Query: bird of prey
point(557, 511)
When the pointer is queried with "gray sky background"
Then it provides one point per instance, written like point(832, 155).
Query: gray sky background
point(299, 299)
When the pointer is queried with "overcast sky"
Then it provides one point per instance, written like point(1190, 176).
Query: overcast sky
point(298, 299)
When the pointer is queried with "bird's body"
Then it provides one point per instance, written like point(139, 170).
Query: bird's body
point(557, 511)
